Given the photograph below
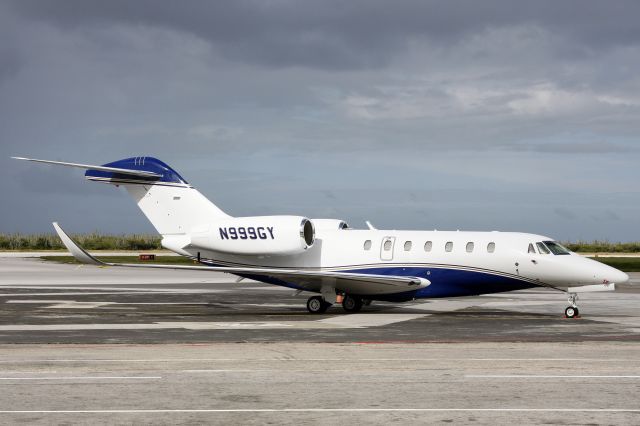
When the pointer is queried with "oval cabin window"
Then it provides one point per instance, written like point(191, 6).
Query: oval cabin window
point(407, 246)
point(491, 247)
point(448, 247)
point(367, 245)
point(469, 247)
point(387, 245)
point(428, 245)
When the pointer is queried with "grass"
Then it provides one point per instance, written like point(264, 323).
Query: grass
point(161, 260)
point(93, 241)
point(626, 264)
point(603, 247)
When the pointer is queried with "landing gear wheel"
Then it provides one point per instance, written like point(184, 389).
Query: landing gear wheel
point(571, 312)
point(317, 305)
point(572, 309)
point(351, 303)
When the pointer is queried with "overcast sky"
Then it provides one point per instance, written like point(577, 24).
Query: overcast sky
point(475, 115)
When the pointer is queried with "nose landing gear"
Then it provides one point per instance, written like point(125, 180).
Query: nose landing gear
point(572, 310)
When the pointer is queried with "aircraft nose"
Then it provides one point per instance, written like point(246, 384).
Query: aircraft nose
point(601, 273)
point(614, 275)
point(620, 277)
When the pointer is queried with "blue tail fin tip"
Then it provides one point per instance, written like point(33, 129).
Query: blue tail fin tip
point(149, 164)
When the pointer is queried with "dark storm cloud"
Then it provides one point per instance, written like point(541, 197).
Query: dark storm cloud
point(10, 63)
point(345, 35)
point(564, 213)
point(412, 114)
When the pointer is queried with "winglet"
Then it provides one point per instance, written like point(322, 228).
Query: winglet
point(78, 252)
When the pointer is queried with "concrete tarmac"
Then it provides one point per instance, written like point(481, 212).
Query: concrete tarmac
point(178, 347)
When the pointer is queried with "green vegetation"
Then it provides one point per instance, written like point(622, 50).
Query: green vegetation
point(163, 260)
point(92, 241)
point(626, 264)
point(603, 247)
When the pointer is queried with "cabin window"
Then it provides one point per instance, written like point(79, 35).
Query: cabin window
point(448, 247)
point(542, 248)
point(531, 248)
point(428, 245)
point(387, 245)
point(407, 246)
point(469, 247)
point(367, 245)
point(491, 247)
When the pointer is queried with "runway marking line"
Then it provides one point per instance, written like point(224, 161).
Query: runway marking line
point(223, 371)
point(84, 378)
point(328, 410)
point(138, 290)
point(95, 360)
point(547, 376)
point(338, 322)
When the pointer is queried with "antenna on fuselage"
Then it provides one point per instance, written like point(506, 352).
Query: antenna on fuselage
point(371, 227)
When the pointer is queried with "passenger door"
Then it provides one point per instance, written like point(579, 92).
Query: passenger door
point(528, 265)
point(386, 248)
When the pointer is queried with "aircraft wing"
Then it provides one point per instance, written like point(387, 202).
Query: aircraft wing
point(311, 280)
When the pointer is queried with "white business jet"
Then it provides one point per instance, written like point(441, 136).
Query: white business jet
point(327, 257)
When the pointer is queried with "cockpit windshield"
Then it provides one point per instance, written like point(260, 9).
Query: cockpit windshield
point(556, 248)
point(542, 248)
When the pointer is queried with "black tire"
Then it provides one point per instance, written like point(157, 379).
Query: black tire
point(366, 302)
point(317, 305)
point(571, 312)
point(351, 303)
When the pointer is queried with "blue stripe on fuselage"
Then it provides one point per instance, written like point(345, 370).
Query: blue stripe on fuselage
point(445, 282)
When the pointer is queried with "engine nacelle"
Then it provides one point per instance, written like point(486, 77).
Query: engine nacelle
point(259, 235)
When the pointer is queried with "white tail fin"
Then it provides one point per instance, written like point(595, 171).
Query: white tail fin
point(174, 209)
point(172, 205)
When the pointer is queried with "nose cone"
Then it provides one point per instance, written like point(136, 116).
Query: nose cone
point(609, 274)
point(594, 272)
point(619, 277)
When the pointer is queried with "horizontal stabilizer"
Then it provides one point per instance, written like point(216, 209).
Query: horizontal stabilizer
point(118, 170)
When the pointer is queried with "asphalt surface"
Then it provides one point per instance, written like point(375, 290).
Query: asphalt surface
point(83, 345)
point(46, 302)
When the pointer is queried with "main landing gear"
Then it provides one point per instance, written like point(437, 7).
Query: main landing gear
point(351, 304)
point(317, 305)
point(572, 310)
